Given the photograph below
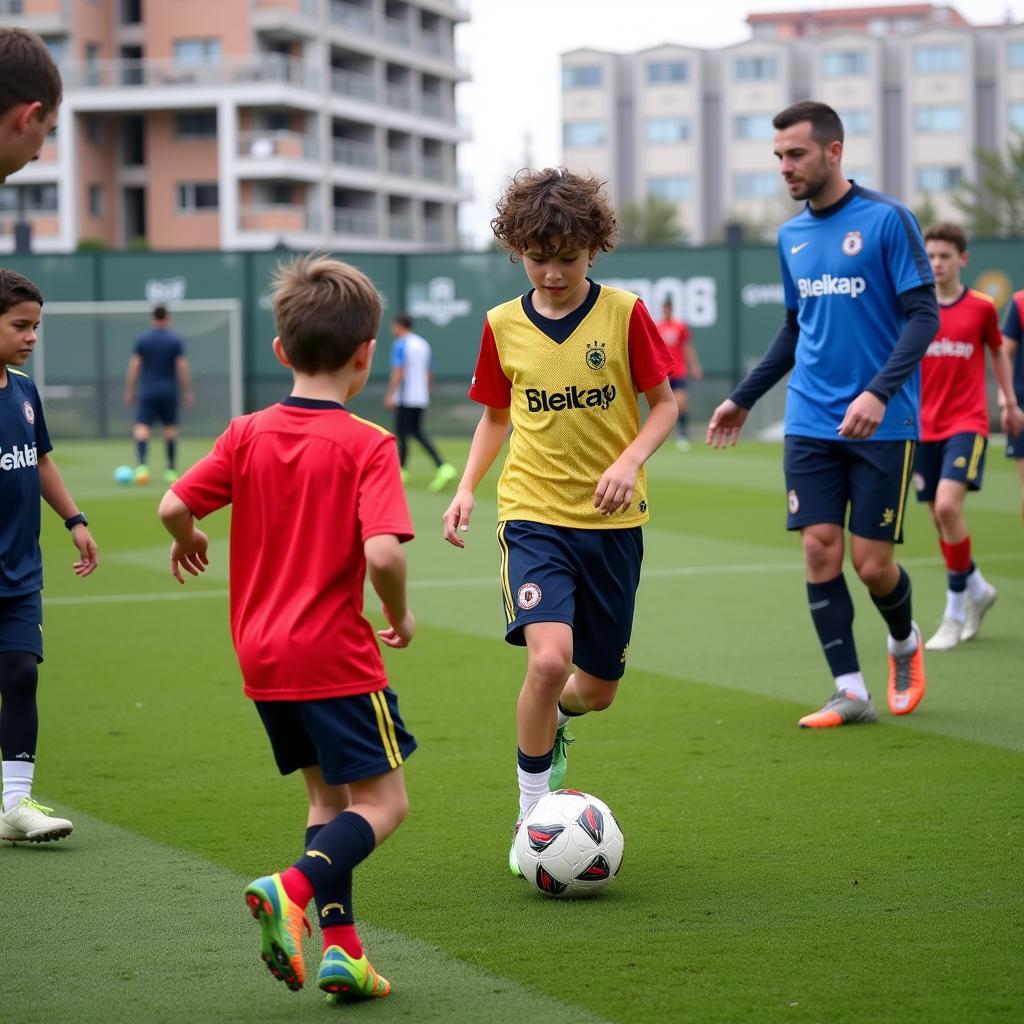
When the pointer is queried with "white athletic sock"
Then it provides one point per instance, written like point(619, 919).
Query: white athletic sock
point(955, 605)
point(532, 788)
point(17, 782)
point(562, 717)
point(853, 683)
point(977, 585)
point(899, 648)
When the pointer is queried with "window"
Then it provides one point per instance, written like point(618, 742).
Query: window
point(754, 126)
point(759, 185)
point(1016, 119)
point(938, 179)
point(938, 59)
point(751, 69)
point(939, 119)
point(663, 72)
point(582, 76)
point(96, 200)
point(838, 63)
point(584, 133)
point(195, 124)
point(279, 193)
point(198, 195)
point(192, 53)
point(57, 47)
point(94, 129)
point(37, 198)
point(855, 122)
point(1015, 54)
point(675, 188)
point(277, 121)
point(662, 130)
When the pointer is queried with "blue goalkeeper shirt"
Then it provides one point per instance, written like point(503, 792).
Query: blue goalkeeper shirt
point(843, 269)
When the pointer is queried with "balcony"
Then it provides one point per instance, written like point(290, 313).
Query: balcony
point(433, 232)
point(292, 217)
point(434, 169)
point(354, 84)
point(266, 144)
point(396, 32)
point(44, 223)
point(400, 228)
point(351, 153)
point(348, 221)
point(399, 97)
point(434, 107)
point(356, 19)
point(310, 8)
point(400, 163)
point(47, 17)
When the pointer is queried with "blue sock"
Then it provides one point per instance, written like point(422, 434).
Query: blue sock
point(896, 609)
point(333, 905)
point(172, 451)
point(140, 451)
point(337, 848)
point(832, 612)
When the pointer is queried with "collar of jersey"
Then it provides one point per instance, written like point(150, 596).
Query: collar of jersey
point(960, 298)
point(854, 190)
point(311, 403)
point(560, 330)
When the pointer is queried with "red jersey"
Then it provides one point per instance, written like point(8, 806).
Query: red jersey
point(309, 483)
point(675, 334)
point(953, 395)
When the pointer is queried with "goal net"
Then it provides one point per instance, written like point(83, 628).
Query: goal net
point(82, 354)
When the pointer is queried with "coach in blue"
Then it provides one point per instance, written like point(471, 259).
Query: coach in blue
point(860, 314)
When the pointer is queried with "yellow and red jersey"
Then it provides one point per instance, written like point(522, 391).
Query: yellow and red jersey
point(572, 387)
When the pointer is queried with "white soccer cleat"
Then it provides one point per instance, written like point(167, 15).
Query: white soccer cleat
point(946, 637)
point(974, 611)
point(29, 822)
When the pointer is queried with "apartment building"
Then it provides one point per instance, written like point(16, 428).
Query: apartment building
point(245, 124)
point(917, 86)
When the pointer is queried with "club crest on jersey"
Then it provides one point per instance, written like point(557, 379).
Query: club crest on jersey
point(30, 413)
point(852, 243)
point(528, 596)
point(595, 356)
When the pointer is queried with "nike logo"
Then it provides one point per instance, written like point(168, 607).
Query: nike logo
point(330, 907)
point(317, 853)
point(794, 249)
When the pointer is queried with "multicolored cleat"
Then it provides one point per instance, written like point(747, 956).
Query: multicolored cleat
point(142, 474)
point(560, 757)
point(345, 977)
point(30, 822)
point(906, 678)
point(281, 923)
point(842, 708)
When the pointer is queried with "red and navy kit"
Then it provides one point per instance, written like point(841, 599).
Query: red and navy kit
point(1013, 328)
point(675, 334)
point(953, 395)
point(309, 484)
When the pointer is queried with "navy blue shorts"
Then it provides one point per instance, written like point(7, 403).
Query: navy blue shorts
point(151, 408)
point(960, 458)
point(21, 623)
point(350, 738)
point(871, 477)
point(585, 578)
point(677, 383)
point(1015, 446)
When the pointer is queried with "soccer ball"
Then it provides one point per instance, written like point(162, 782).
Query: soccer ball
point(124, 475)
point(569, 844)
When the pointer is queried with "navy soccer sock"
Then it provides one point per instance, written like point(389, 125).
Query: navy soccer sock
point(896, 607)
point(832, 612)
point(336, 849)
point(19, 714)
point(140, 451)
point(172, 452)
point(334, 903)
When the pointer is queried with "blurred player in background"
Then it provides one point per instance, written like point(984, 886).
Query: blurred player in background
point(158, 376)
point(27, 473)
point(860, 313)
point(317, 503)
point(30, 95)
point(950, 459)
point(409, 395)
point(685, 364)
point(1013, 335)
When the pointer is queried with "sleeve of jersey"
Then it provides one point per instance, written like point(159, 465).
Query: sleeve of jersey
point(789, 293)
point(992, 335)
point(1012, 324)
point(382, 505)
point(649, 359)
point(490, 385)
point(398, 354)
point(905, 258)
point(207, 486)
point(43, 443)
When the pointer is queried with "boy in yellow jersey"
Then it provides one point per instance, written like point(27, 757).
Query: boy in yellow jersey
point(564, 364)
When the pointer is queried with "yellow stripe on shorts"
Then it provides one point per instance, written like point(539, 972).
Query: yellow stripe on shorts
point(387, 728)
point(908, 465)
point(976, 452)
point(506, 589)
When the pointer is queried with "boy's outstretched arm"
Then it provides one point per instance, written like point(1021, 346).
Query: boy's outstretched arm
point(57, 496)
point(488, 438)
point(188, 549)
point(385, 564)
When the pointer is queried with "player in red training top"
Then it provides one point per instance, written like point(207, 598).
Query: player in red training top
point(317, 503)
point(954, 427)
point(1013, 335)
point(679, 343)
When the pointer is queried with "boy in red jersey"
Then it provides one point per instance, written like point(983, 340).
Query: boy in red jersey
point(679, 343)
point(1013, 334)
point(564, 364)
point(318, 502)
point(950, 458)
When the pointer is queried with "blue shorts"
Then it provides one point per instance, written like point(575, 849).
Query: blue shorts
point(960, 458)
point(677, 383)
point(350, 738)
point(585, 578)
point(1015, 446)
point(151, 408)
point(21, 623)
point(871, 477)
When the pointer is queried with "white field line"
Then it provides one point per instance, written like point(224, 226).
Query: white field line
point(792, 565)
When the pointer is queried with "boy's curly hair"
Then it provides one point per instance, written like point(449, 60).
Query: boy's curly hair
point(538, 206)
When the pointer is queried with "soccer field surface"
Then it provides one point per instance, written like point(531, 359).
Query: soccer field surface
point(871, 873)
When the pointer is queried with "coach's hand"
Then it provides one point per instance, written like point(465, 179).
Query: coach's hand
point(1011, 419)
point(863, 415)
point(456, 519)
point(190, 556)
point(725, 424)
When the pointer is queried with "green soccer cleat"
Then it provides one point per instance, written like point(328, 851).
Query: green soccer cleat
point(513, 864)
point(344, 977)
point(280, 922)
point(445, 474)
point(560, 757)
point(170, 475)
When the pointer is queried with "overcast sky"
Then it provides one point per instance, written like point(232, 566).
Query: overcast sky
point(514, 100)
